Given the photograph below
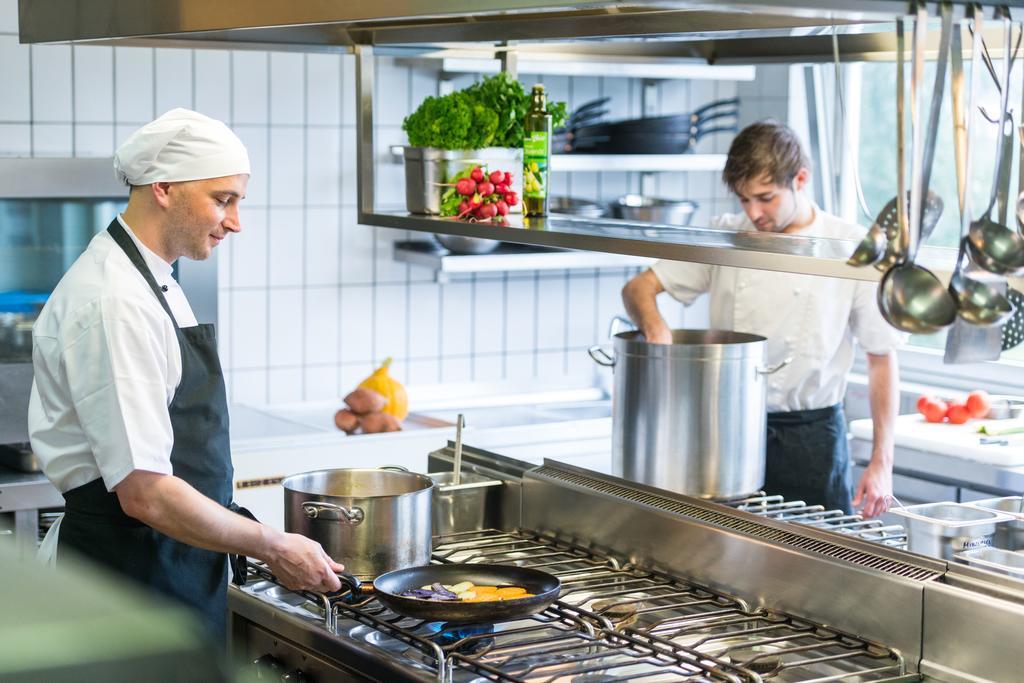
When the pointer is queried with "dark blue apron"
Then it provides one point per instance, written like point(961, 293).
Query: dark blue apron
point(94, 524)
point(807, 457)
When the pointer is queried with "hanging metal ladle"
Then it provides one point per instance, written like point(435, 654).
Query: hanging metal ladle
point(993, 246)
point(911, 298)
point(978, 303)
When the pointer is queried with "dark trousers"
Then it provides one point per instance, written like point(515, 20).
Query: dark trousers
point(808, 458)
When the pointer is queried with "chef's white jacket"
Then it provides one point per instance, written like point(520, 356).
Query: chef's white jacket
point(107, 364)
point(812, 319)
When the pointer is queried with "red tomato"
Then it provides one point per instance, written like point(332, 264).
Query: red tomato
point(923, 399)
point(958, 414)
point(935, 410)
point(978, 403)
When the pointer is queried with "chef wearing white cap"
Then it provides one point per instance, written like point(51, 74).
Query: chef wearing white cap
point(128, 414)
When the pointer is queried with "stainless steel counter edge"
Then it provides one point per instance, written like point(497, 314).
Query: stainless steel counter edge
point(22, 491)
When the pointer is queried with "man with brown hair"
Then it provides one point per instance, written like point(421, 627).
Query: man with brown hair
point(813, 320)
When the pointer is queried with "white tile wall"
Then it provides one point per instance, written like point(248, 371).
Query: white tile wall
point(309, 300)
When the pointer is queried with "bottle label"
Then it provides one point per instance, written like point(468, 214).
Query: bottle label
point(535, 165)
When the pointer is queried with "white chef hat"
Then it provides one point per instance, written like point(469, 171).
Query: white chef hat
point(180, 145)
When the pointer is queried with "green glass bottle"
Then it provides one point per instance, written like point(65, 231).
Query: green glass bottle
point(536, 155)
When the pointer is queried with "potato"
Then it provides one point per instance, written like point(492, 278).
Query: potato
point(346, 421)
point(374, 423)
point(364, 401)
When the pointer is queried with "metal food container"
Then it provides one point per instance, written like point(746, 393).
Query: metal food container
point(690, 416)
point(461, 507)
point(427, 169)
point(371, 520)
point(994, 559)
point(944, 529)
point(1010, 535)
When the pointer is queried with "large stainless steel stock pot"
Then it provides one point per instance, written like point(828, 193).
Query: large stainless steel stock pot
point(690, 416)
point(371, 520)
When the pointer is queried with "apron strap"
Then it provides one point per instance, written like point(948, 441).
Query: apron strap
point(135, 256)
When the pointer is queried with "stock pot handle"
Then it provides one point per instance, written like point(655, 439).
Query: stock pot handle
point(393, 468)
point(772, 369)
point(315, 509)
point(601, 356)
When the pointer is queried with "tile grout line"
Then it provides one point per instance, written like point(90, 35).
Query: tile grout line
point(270, 227)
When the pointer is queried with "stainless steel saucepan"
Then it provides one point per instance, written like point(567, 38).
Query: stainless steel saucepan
point(371, 520)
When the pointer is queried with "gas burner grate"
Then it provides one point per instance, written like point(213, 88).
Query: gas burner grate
point(709, 515)
point(799, 512)
point(612, 622)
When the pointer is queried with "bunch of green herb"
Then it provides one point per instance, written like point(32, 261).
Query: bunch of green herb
point(486, 114)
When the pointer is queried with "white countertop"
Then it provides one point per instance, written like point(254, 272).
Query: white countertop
point(961, 441)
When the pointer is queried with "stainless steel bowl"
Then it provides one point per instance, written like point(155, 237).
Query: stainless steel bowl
point(576, 207)
point(459, 244)
point(636, 207)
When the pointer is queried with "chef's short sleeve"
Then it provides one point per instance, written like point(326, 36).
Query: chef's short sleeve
point(115, 358)
point(682, 280)
point(872, 332)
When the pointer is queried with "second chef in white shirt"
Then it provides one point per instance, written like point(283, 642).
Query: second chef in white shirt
point(813, 320)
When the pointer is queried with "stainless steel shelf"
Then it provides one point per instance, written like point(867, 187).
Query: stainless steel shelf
point(508, 258)
point(785, 253)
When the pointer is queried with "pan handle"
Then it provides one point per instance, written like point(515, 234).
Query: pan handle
point(315, 509)
point(715, 104)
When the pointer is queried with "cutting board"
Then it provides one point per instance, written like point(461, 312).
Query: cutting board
point(962, 441)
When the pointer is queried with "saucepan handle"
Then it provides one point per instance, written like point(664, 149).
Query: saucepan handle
point(601, 356)
point(618, 324)
point(315, 509)
point(772, 369)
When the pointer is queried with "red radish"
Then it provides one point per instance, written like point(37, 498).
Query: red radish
point(465, 187)
point(464, 206)
point(501, 188)
point(502, 207)
point(511, 198)
point(476, 201)
point(488, 211)
point(485, 188)
point(508, 178)
point(496, 177)
point(477, 174)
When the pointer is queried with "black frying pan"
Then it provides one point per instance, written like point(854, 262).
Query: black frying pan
point(388, 589)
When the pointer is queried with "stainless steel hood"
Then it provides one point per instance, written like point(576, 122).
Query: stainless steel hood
point(711, 32)
point(794, 31)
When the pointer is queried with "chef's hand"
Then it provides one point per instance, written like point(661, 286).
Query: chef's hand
point(874, 490)
point(300, 563)
point(658, 335)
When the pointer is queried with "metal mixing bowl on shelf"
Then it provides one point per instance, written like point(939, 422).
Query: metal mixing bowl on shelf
point(459, 244)
point(636, 207)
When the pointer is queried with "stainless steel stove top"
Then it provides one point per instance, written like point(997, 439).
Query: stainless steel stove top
point(613, 622)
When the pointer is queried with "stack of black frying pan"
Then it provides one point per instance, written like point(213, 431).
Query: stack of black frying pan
point(586, 133)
